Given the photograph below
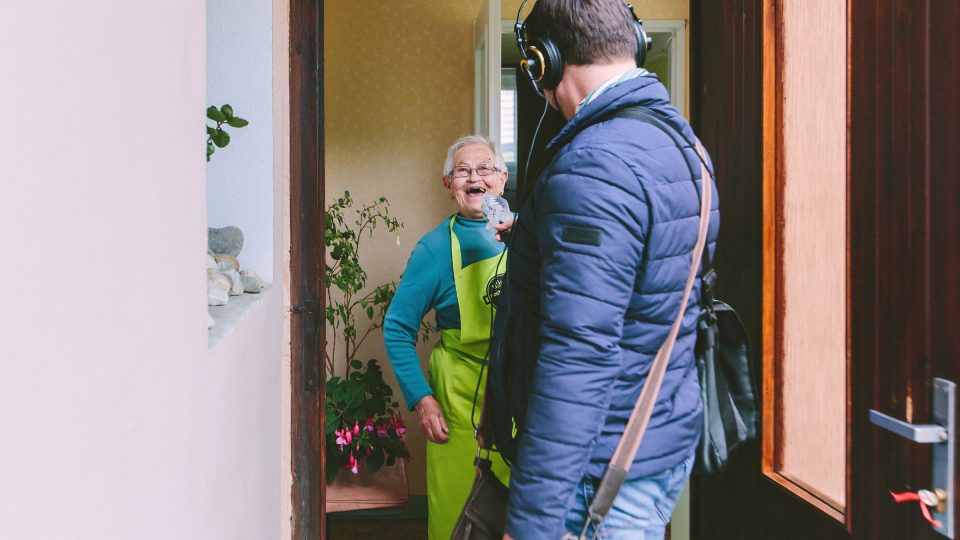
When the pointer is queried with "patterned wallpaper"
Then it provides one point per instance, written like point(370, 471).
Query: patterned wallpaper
point(646, 9)
point(398, 89)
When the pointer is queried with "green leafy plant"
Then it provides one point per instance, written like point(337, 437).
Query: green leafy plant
point(364, 427)
point(217, 137)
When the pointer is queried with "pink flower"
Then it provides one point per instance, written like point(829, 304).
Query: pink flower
point(353, 464)
point(382, 430)
point(369, 425)
point(398, 426)
point(356, 428)
point(343, 437)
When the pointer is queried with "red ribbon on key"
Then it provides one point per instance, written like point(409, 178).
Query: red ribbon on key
point(912, 496)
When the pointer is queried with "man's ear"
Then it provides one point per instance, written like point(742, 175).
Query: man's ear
point(446, 182)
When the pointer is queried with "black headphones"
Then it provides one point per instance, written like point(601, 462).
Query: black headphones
point(542, 61)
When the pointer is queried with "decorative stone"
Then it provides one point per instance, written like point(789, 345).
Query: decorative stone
point(236, 284)
point(251, 284)
point(216, 280)
point(230, 260)
point(227, 240)
point(210, 322)
point(217, 297)
point(253, 274)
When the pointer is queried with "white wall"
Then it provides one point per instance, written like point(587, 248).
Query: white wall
point(239, 177)
point(116, 422)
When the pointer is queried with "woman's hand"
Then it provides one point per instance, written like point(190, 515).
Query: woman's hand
point(432, 424)
point(503, 230)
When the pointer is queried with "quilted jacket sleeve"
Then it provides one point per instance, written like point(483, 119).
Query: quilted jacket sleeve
point(591, 219)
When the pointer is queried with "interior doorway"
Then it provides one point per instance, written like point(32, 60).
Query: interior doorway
point(388, 124)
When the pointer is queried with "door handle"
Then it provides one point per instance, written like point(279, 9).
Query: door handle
point(941, 435)
point(918, 433)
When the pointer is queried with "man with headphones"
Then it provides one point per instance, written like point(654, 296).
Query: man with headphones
point(600, 254)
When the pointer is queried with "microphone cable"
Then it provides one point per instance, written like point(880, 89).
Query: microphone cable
point(507, 243)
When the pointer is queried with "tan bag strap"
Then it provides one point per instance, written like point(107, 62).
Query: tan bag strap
point(626, 450)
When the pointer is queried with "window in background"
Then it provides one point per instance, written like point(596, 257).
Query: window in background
point(508, 127)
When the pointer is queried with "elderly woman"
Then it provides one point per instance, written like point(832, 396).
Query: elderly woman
point(452, 270)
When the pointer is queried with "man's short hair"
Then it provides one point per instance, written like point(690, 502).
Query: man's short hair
point(585, 31)
point(471, 140)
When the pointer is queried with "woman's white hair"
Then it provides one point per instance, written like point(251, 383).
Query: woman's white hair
point(471, 140)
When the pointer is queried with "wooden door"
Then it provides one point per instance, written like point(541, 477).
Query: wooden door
point(901, 250)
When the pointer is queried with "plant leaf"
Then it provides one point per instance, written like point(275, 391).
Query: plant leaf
point(375, 461)
point(237, 122)
point(214, 114)
point(221, 138)
point(333, 468)
point(227, 111)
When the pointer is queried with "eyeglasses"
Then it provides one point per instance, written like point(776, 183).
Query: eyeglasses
point(484, 169)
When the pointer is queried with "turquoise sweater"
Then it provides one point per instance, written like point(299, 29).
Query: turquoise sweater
point(427, 283)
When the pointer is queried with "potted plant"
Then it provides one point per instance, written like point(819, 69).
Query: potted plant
point(364, 429)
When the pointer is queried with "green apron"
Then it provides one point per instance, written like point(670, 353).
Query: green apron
point(454, 367)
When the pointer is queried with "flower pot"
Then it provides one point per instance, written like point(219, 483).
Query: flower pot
point(386, 488)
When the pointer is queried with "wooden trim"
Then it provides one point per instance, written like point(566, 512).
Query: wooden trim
point(306, 279)
point(849, 287)
point(809, 495)
point(771, 236)
point(774, 301)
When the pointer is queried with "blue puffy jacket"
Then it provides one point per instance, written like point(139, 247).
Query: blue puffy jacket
point(598, 262)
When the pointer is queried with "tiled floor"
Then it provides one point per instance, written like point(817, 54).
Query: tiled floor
point(384, 529)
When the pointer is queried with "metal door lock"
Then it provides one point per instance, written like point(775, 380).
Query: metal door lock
point(926, 499)
point(936, 499)
point(940, 435)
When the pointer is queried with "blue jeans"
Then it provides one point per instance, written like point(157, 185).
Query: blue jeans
point(641, 510)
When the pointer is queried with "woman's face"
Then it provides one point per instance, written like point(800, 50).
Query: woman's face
point(468, 191)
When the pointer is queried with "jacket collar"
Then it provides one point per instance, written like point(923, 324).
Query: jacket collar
point(640, 90)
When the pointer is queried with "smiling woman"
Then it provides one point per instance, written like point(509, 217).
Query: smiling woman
point(448, 272)
point(473, 168)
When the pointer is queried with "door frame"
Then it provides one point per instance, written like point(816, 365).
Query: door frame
point(307, 377)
